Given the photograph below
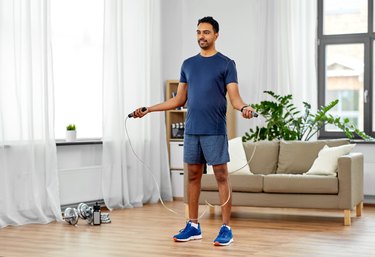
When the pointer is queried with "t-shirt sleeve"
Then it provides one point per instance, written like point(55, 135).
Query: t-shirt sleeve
point(182, 74)
point(231, 73)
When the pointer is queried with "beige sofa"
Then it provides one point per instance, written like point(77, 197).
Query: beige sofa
point(278, 179)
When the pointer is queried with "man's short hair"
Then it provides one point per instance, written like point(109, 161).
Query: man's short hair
point(210, 20)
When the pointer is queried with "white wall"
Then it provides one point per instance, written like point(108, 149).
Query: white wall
point(80, 169)
point(171, 23)
point(368, 151)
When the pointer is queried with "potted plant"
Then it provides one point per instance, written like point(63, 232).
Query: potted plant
point(71, 133)
point(284, 121)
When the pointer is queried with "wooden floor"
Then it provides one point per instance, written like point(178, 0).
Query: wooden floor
point(148, 231)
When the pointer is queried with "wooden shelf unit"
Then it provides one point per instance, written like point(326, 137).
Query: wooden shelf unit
point(173, 116)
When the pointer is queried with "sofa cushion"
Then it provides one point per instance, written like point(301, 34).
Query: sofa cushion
point(300, 184)
point(327, 161)
point(265, 156)
point(297, 157)
point(238, 164)
point(239, 183)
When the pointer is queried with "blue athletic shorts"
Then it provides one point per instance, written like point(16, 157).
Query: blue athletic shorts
point(202, 149)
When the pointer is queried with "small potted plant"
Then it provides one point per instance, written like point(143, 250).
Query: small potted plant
point(71, 133)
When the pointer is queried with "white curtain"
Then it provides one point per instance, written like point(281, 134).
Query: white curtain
point(284, 49)
point(132, 79)
point(29, 189)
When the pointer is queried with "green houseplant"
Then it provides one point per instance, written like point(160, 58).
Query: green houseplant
point(284, 121)
point(71, 127)
point(71, 133)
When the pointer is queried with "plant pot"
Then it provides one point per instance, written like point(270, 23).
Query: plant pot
point(71, 135)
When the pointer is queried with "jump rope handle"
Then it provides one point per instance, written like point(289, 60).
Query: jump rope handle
point(253, 113)
point(131, 115)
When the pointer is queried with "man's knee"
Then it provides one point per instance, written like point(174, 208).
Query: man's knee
point(195, 172)
point(221, 173)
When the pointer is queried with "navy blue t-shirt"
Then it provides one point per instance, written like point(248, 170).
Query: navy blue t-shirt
point(207, 78)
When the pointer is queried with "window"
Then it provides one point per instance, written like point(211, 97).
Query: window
point(346, 41)
point(77, 50)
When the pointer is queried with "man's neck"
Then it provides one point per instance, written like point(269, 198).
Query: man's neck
point(208, 52)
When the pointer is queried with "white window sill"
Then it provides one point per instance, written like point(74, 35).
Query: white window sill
point(82, 141)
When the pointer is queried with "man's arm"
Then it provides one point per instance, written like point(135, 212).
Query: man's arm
point(172, 103)
point(237, 102)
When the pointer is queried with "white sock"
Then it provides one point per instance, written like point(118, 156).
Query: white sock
point(194, 225)
point(227, 226)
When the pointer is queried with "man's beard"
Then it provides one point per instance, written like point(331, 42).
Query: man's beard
point(204, 46)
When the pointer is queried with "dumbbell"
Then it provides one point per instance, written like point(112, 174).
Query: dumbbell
point(104, 218)
point(71, 216)
point(85, 212)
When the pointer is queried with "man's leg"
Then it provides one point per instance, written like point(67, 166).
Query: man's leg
point(195, 172)
point(221, 174)
point(192, 230)
point(192, 154)
point(225, 236)
point(215, 149)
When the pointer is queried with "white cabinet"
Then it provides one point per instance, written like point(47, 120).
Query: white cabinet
point(177, 168)
point(177, 183)
point(177, 155)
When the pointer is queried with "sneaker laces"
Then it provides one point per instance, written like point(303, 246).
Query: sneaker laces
point(223, 231)
point(187, 224)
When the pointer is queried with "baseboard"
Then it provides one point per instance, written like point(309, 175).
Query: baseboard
point(89, 203)
point(369, 200)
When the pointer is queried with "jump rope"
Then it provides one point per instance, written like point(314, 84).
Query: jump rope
point(131, 115)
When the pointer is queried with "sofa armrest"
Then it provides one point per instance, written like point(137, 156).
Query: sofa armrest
point(350, 176)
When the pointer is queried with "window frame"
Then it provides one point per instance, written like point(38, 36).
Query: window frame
point(362, 38)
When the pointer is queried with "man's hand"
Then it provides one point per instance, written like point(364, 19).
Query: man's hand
point(140, 112)
point(247, 112)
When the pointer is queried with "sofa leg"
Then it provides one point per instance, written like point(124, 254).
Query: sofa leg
point(359, 209)
point(347, 221)
point(186, 211)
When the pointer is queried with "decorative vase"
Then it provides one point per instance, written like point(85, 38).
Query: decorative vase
point(71, 135)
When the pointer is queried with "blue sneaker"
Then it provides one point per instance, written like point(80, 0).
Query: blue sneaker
point(188, 233)
point(225, 236)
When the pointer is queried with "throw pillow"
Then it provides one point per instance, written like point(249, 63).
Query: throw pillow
point(298, 156)
point(264, 155)
point(237, 157)
point(326, 163)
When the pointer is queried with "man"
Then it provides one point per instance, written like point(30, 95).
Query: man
point(205, 79)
